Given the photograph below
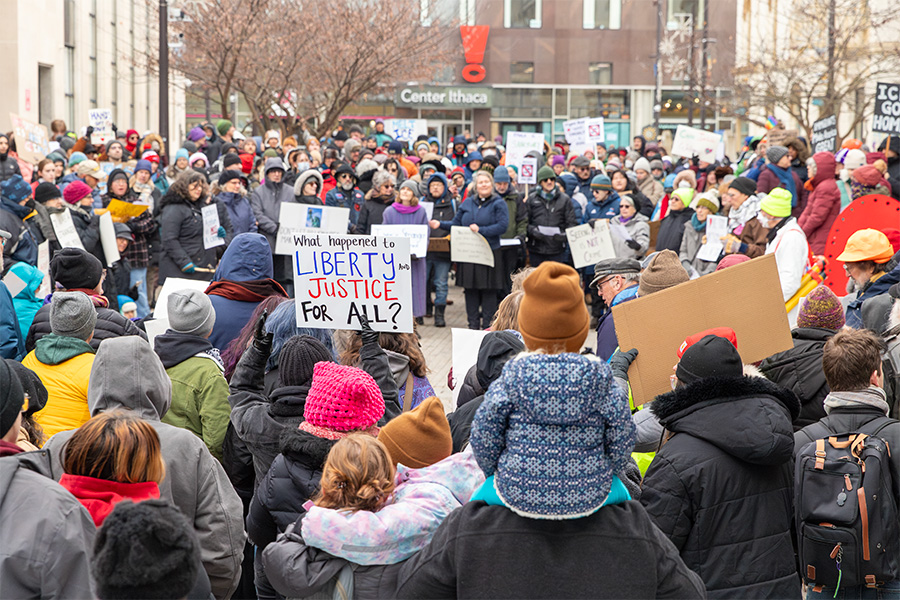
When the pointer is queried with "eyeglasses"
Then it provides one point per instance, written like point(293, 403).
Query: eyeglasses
point(388, 185)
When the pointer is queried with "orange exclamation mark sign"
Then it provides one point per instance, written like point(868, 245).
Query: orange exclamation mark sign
point(474, 39)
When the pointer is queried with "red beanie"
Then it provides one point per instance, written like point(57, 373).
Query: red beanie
point(76, 191)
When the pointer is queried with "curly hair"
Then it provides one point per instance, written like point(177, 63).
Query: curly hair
point(382, 177)
point(184, 181)
point(358, 475)
point(406, 344)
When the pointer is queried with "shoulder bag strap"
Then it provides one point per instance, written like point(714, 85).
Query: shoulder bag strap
point(408, 394)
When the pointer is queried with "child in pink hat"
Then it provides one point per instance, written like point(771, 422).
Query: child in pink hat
point(341, 400)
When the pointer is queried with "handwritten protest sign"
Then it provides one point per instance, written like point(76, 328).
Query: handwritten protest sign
point(43, 265)
point(528, 172)
point(469, 247)
point(100, 118)
point(520, 143)
point(32, 139)
point(406, 129)
point(777, 137)
point(122, 211)
point(739, 297)
point(576, 131)
point(417, 234)
point(64, 227)
point(211, 226)
point(596, 130)
point(108, 239)
point(338, 277)
point(690, 141)
point(824, 135)
point(175, 284)
point(887, 108)
point(297, 218)
point(590, 245)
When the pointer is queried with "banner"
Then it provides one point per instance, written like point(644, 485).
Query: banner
point(520, 143)
point(469, 247)
point(64, 227)
point(32, 139)
point(590, 245)
point(338, 277)
point(417, 234)
point(887, 108)
point(211, 226)
point(824, 135)
point(305, 218)
point(108, 239)
point(690, 141)
point(406, 130)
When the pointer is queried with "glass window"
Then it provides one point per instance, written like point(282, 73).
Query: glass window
point(600, 73)
point(609, 104)
point(440, 12)
point(602, 14)
point(522, 14)
point(522, 103)
point(562, 102)
point(521, 72)
point(682, 12)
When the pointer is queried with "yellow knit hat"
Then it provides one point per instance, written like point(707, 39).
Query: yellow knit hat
point(777, 203)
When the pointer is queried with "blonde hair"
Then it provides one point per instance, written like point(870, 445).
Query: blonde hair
point(358, 475)
point(507, 316)
point(518, 278)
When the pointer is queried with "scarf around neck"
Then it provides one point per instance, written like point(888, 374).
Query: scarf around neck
point(871, 396)
point(698, 224)
point(403, 209)
point(786, 177)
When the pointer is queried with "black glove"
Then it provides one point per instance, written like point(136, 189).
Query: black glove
point(560, 238)
point(536, 235)
point(262, 339)
point(88, 132)
point(114, 128)
point(695, 160)
point(633, 244)
point(593, 222)
point(366, 333)
point(620, 362)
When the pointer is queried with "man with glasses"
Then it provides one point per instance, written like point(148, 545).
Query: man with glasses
point(615, 281)
point(346, 194)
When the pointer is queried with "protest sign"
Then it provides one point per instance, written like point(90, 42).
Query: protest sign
point(32, 139)
point(590, 245)
point(465, 344)
point(406, 129)
point(108, 239)
point(520, 143)
point(338, 277)
point(576, 131)
point(528, 172)
point(100, 118)
point(429, 208)
point(739, 297)
point(122, 211)
point(155, 327)
point(439, 244)
point(469, 247)
point(887, 108)
point(690, 141)
point(596, 131)
point(64, 227)
point(716, 229)
point(417, 234)
point(175, 284)
point(211, 226)
point(297, 218)
point(100, 137)
point(777, 137)
point(43, 265)
point(824, 135)
point(14, 283)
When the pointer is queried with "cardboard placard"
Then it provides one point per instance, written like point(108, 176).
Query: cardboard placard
point(528, 172)
point(654, 233)
point(108, 239)
point(470, 247)
point(211, 237)
point(590, 245)
point(777, 137)
point(338, 277)
point(824, 135)
point(417, 234)
point(520, 143)
point(65, 231)
point(32, 139)
point(305, 218)
point(465, 344)
point(740, 297)
point(887, 108)
point(690, 141)
point(439, 244)
point(175, 284)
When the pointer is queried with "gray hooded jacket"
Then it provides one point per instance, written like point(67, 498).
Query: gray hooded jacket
point(128, 374)
point(266, 204)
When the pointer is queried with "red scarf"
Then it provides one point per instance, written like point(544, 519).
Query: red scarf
point(98, 301)
point(246, 291)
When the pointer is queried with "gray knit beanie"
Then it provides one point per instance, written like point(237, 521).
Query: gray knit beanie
point(776, 153)
point(190, 311)
point(72, 314)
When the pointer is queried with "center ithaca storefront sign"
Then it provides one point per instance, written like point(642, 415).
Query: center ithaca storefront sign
point(444, 97)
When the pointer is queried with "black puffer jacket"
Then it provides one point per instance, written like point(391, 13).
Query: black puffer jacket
point(555, 212)
point(181, 233)
point(110, 324)
point(721, 486)
point(800, 370)
point(671, 230)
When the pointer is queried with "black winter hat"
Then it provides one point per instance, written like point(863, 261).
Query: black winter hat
point(713, 356)
point(298, 357)
point(12, 397)
point(46, 191)
point(74, 268)
point(145, 550)
point(31, 384)
point(230, 160)
point(744, 185)
point(229, 174)
point(340, 136)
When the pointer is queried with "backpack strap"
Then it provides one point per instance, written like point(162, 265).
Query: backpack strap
point(408, 393)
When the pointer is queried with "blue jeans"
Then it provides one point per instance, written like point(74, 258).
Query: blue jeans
point(440, 270)
point(136, 275)
point(889, 591)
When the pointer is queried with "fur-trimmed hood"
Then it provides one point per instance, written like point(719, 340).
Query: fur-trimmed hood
point(748, 417)
point(306, 176)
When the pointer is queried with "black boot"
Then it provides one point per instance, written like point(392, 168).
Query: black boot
point(420, 321)
point(439, 315)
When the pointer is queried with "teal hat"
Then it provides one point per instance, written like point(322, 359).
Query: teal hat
point(601, 182)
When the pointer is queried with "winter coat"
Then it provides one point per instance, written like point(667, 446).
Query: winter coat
point(491, 216)
point(879, 286)
point(768, 181)
point(671, 229)
point(791, 251)
point(181, 232)
point(12, 341)
point(638, 228)
point(652, 189)
point(100, 496)
point(444, 210)
point(607, 341)
point(23, 245)
point(422, 499)
point(143, 227)
point(130, 376)
point(372, 212)
point(555, 212)
point(110, 324)
point(800, 370)
point(240, 213)
point(48, 536)
point(266, 204)
point(26, 302)
point(727, 461)
point(64, 366)
point(9, 166)
point(353, 199)
point(690, 246)
point(823, 205)
point(199, 390)
point(607, 209)
point(535, 558)
point(302, 180)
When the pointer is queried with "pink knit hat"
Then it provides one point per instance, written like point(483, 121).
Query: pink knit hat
point(341, 399)
point(75, 191)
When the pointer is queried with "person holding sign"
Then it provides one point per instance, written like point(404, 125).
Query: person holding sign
point(630, 230)
point(550, 213)
point(181, 230)
point(406, 211)
point(438, 263)
point(486, 214)
point(694, 237)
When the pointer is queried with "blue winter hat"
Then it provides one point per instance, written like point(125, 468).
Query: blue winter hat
point(14, 188)
point(553, 430)
point(182, 153)
point(143, 165)
point(76, 158)
point(476, 155)
point(501, 175)
point(669, 181)
point(395, 147)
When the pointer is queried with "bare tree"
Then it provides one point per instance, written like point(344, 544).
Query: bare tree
point(834, 49)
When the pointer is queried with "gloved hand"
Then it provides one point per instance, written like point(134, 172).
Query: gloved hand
point(695, 160)
point(620, 362)
point(366, 333)
point(593, 222)
point(188, 268)
point(560, 238)
point(262, 339)
point(88, 132)
point(633, 244)
point(536, 235)
point(732, 243)
point(221, 232)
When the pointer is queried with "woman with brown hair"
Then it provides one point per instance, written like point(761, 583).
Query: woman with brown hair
point(113, 457)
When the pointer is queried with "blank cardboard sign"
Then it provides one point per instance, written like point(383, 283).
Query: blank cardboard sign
point(746, 298)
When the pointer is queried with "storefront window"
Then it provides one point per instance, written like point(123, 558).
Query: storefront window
point(679, 10)
point(521, 72)
point(522, 14)
point(522, 103)
point(602, 14)
point(609, 104)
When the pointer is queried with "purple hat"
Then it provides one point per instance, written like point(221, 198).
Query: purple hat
point(821, 309)
point(196, 134)
point(557, 159)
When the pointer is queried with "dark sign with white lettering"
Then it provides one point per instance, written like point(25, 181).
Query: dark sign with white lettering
point(824, 135)
point(887, 108)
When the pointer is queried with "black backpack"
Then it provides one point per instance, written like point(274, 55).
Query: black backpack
point(845, 508)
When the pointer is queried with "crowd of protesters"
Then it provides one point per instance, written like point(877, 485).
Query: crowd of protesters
point(243, 456)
